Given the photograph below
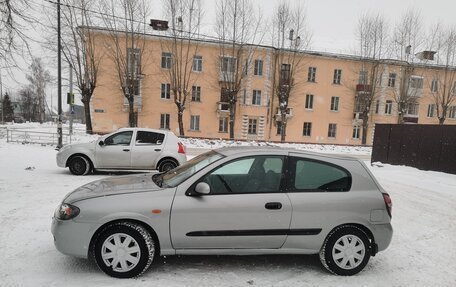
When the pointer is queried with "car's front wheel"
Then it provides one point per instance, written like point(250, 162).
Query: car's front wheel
point(124, 250)
point(79, 165)
point(346, 250)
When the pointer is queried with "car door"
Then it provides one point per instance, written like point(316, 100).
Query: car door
point(244, 209)
point(115, 151)
point(146, 149)
point(319, 193)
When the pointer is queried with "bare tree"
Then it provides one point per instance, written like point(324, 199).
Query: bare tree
point(14, 15)
point(185, 21)
point(29, 104)
point(79, 48)
point(443, 84)
point(126, 24)
point(407, 40)
point(291, 36)
point(237, 26)
point(39, 78)
point(372, 36)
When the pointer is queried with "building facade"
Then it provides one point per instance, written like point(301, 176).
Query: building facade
point(323, 106)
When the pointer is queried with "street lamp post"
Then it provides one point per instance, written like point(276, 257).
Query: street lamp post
point(59, 77)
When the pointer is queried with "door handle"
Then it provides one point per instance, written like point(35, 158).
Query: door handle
point(126, 149)
point(273, 205)
point(157, 149)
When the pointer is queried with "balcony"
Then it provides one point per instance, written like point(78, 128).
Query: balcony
point(227, 77)
point(223, 107)
point(289, 114)
point(360, 88)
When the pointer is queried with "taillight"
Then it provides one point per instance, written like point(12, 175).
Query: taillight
point(181, 148)
point(389, 203)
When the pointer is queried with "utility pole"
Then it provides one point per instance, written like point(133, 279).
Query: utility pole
point(1, 94)
point(71, 99)
point(59, 77)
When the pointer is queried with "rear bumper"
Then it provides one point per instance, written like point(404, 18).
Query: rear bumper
point(383, 234)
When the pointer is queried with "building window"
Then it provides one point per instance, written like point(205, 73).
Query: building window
point(416, 82)
point(285, 74)
point(166, 60)
point(434, 86)
point(309, 101)
point(164, 121)
point(392, 80)
point(334, 104)
point(228, 64)
point(337, 76)
point(258, 71)
point(356, 132)
point(452, 112)
point(196, 94)
point(332, 128)
point(279, 128)
point(362, 77)
point(197, 64)
point(134, 62)
point(412, 109)
point(223, 125)
point(244, 97)
point(307, 129)
point(431, 111)
point(388, 107)
point(256, 97)
point(312, 74)
point(194, 123)
point(165, 91)
point(99, 110)
point(377, 106)
point(252, 127)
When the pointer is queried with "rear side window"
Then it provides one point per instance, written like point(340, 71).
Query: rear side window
point(147, 138)
point(310, 175)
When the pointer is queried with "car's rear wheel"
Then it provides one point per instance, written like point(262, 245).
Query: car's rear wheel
point(346, 250)
point(167, 164)
point(79, 165)
point(124, 250)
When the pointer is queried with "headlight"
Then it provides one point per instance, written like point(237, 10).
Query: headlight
point(66, 211)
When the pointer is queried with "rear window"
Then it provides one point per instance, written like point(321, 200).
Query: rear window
point(311, 175)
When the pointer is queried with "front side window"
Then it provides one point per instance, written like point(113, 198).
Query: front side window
point(165, 91)
point(309, 101)
point(256, 97)
point(247, 175)
point(258, 71)
point(388, 107)
point(194, 123)
point(196, 94)
point(164, 121)
point(122, 138)
point(334, 104)
point(252, 127)
point(315, 176)
point(312, 74)
point(332, 129)
point(148, 138)
point(197, 64)
point(392, 80)
point(166, 60)
point(307, 129)
point(337, 76)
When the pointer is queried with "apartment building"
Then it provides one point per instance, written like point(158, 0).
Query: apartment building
point(323, 106)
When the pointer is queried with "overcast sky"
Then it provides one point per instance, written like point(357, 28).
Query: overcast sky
point(332, 22)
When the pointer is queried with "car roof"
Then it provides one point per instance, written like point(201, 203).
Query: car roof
point(145, 129)
point(229, 151)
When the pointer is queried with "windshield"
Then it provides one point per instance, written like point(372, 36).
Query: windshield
point(178, 175)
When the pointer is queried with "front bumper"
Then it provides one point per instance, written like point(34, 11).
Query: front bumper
point(72, 238)
point(61, 159)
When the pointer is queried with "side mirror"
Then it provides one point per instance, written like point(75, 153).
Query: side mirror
point(202, 188)
point(101, 143)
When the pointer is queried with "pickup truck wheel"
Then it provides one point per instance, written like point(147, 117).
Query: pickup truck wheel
point(124, 250)
point(79, 165)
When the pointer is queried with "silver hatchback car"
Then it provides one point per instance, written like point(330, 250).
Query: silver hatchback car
point(230, 201)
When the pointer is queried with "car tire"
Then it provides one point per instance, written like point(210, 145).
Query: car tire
point(167, 164)
point(79, 165)
point(124, 250)
point(346, 250)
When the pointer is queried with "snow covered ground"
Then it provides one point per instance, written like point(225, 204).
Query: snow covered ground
point(422, 252)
